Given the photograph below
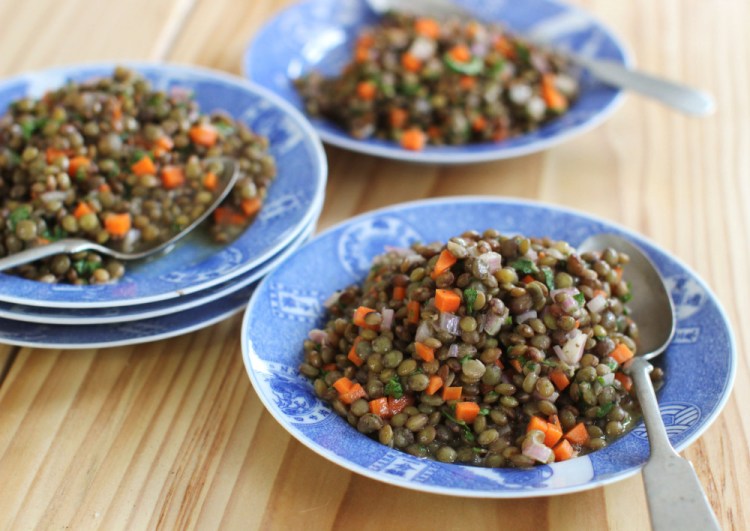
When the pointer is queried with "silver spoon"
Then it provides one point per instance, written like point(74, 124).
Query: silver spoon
point(675, 95)
point(76, 245)
point(675, 497)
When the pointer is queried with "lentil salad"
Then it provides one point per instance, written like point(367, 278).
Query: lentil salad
point(488, 350)
point(417, 81)
point(115, 161)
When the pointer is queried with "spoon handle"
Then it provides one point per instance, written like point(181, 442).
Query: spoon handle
point(675, 95)
point(675, 497)
point(43, 251)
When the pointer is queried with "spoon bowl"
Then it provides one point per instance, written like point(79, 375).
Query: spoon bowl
point(675, 497)
point(75, 245)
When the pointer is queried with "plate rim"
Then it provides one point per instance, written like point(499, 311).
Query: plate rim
point(246, 346)
point(344, 141)
point(310, 135)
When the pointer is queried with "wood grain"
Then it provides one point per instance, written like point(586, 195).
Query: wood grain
point(171, 435)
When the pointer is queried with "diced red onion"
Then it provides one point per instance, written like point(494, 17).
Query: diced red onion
point(424, 331)
point(572, 351)
point(492, 323)
point(488, 263)
point(608, 378)
point(558, 350)
point(479, 49)
point(423, 48)
point(449, 323)
point(387, 321)
point(569, 291)
point(531, 254)
point(54, 195)
point(480, 322)
point(597, 304)
point(318, 336)
point(525, 316)
point(568, 304)
point(453, 351)
point(536, 451)
point(551, 398)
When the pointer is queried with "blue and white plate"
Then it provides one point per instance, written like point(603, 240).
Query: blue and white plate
point(319, 35)
point(293, 199)
point(122, 314)
point(699, 365)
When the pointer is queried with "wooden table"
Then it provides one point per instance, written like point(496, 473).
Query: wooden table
point(171, 434)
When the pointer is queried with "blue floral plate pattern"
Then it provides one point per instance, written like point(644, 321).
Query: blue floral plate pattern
point(294, 197)
point(319, 35)
point(700, 363)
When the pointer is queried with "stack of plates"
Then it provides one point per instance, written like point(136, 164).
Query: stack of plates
point(198, 283)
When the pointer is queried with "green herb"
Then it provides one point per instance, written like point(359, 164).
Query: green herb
point(15, 158)
point(580, 299)
point(470, 296)
point(522, 52)
point(224, 128)
point(496, 68)
point(612, 364)
point(524, 265)
point(393, 388)
point(57, 234)
point(81, 173)
point(629, 295)
point(484, 411)
point(467, 430)
point(410, 89)
point(19, 214)
point(138, 154)
point(508, 320)
point(29, 127)
point(86, 268)
point(600, 379)
point(549, 363)
point(606, 408)
point(549, 278)
point(530, 365)
point(465, 359)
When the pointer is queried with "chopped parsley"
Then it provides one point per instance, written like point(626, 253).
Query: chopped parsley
point(468, 435)
point(393, 388)
point(86, 268)
point(57, 234)
point(470, 296)
point(580, 299)
point(465, 359)
point(484, 411)
point(19, 214)
point(524, 266)
point(606, 408)
point(29, 127)
point(549, 278)
point(629, 295)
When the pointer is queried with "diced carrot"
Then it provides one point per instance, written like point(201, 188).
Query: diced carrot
point(204, 134)
point(467, 82)
point(227, 216)
point(343, 384)
point(467, 411)
point(361, 54)
point(82, 209)
point(329, 367)
point(399, 293)
point(552, 435)
point(353, 356)
point(424, 352)
point(625, 380)
point(460, 53)
point(600, 292)
point(379, 407)
point(145, 166)
point(560, 379)
point(554, 99)
point(104, 187)
point(410, 63)
point(412, 312)
point(505, 47)
point(210, 181)
point(77, 163)
point(397, 405)
point(365, 40)
point(621, 353)
point(172, 177)
point(434, 132)
point(251, 206)
point(165, 143)
point(427, 27)
point(359, 317)
point(444, 263)
point(116, 110)
point(537, 423)
point(118, 225)
point(479, 124)
point(578, 434)
point(528, 279)
point(413, 139)
point(447, 300)
point(42, 241)
point(563, 451)
point(353, 394)
point(472, 29)
point(366, 90)
point(618, 272)
point(51, 154)
point(436, 382)
point(499, 363)
point(397, 118)
point(452, 393)
point(516, 365)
